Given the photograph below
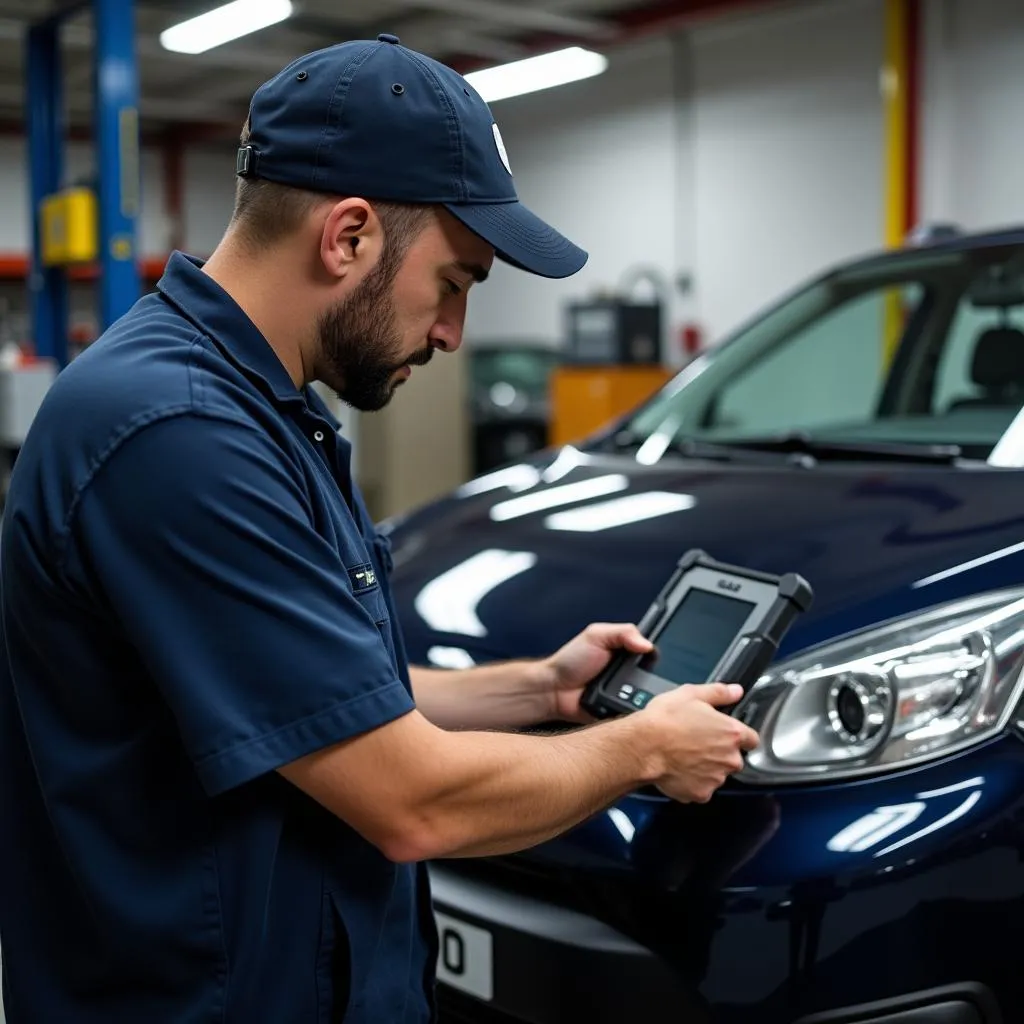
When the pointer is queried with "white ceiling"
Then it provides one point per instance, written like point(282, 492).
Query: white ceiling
point(213, 89)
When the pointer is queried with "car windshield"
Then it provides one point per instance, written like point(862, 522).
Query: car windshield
point(915, 353)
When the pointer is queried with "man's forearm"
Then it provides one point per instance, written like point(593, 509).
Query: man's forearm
point(419, 792)
point(506, 695)
point(506, 793)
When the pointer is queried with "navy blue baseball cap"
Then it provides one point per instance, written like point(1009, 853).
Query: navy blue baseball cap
point(378, 120)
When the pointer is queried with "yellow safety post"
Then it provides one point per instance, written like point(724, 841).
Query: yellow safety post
point(899, 103)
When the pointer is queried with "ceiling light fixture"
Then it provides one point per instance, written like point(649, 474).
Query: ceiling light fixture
point(222, 24)
point(534, 73)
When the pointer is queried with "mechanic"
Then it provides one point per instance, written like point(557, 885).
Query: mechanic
point(220, 778)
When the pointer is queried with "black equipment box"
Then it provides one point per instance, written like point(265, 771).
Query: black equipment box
point(614, 332)
point(711, 622)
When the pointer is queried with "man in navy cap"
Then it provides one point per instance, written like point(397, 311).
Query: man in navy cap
point(219, 777)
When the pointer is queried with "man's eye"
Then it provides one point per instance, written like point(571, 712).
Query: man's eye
point(453, 288)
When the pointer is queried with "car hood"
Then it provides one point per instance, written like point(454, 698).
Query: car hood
point(515, 563)
point(477, 577)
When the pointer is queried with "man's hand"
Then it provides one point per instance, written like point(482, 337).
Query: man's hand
point(699, 747)
point(567, 671)
point(517, 694)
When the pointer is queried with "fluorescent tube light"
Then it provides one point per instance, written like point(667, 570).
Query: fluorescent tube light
point(535, 73)
point(222, 24)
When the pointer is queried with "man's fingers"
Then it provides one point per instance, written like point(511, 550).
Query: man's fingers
point(749, 740)
point(718, 694)
point(614, 635)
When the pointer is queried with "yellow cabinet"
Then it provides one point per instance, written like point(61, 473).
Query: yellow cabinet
point(68, 227)
point(586, 398)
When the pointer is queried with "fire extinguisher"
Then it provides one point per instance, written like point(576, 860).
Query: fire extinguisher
point(690, 339)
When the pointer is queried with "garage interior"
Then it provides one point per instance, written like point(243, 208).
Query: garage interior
point(713, 156)
point(878, 103)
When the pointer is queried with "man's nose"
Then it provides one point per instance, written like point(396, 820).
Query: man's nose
point(446, 336)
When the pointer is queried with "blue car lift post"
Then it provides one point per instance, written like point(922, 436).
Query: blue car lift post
point(117, 166)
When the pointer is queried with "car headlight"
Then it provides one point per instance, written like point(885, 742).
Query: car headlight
point(909, 690)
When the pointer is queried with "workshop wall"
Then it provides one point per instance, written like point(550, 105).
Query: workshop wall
point(599, 165)
point(209, 193)
point(744, 154)
point(154, 229)
point(209, 196)
point(974, 93)
point(787, 141)
point(14, 196)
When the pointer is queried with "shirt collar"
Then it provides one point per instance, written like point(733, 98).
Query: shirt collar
point(199, 298)
point(320, 407)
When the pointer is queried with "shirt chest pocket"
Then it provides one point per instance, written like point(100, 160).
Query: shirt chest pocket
point(366, 588)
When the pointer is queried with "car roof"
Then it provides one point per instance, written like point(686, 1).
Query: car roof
point(957, 241)
point(1004, 237)
point(996, 238)
point(972, 240)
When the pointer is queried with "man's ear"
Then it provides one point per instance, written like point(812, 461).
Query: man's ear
point(352, 238)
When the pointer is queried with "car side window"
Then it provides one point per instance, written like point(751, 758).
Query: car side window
point(830, 372)
point(980, 361)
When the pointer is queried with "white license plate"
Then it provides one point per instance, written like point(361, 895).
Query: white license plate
point(465, 957)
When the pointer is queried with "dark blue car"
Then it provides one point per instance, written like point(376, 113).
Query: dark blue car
point(868, 863)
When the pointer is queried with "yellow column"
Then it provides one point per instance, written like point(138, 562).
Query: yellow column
point(896, 99)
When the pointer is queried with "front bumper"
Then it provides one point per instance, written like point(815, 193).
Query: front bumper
point(820, 905)
point(548, 964)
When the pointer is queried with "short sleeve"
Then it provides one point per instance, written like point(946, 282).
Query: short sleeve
point(198, 536)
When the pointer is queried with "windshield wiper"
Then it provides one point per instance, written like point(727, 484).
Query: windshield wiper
point(799, 444)
point(625, 441)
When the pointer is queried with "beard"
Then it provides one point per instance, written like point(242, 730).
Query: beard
point(360, 346)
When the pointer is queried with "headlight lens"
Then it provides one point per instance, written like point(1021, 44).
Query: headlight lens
point(901, 693)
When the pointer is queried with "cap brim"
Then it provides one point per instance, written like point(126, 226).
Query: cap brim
point(521, 238)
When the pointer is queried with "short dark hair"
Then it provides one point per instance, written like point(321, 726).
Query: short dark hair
point(266, 212)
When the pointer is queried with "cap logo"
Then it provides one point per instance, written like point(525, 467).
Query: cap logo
point(501, 147)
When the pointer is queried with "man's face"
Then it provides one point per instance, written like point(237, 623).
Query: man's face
point(406, 307)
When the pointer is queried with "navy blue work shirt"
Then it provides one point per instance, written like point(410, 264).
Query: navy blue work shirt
point(193, 595)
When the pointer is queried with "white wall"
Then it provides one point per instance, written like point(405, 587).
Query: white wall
point(209, 196)
point(598, 162)
point(973, 146)
point(787, 146)
point(14, 216)
point(745, 154)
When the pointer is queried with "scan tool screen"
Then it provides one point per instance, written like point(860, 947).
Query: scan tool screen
point(709, 622)
point(696, 636)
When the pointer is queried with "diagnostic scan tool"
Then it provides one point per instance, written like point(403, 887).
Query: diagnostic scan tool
point(710, 623)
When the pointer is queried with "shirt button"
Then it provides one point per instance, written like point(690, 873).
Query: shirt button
point(318, 436)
